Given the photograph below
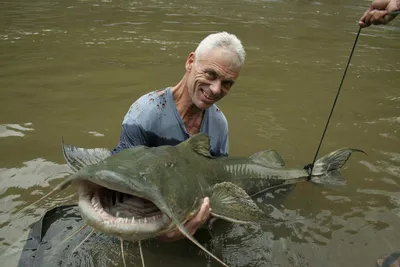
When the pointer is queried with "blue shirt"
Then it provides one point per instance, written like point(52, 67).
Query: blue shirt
point(153, 120)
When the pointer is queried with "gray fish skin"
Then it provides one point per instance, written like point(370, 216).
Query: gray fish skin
point(255, 178)
point(144, 192)
point(177, 178)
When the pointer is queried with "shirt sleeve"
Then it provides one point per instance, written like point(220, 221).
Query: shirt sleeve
point(132, 135)
point(224, 152)
point(224, 148)
point(225, 145)
point(136, 123)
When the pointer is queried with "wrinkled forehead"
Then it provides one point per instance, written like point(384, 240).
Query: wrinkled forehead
point(220, 56)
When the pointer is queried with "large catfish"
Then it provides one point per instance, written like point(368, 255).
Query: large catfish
point(144, 192)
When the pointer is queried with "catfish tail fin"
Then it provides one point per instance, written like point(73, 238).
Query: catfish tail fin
point(329, 166)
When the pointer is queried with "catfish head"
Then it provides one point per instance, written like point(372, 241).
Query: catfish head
point(144, 192)
point(141, 192)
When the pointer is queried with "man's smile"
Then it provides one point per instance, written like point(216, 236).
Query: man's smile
point(207, 96)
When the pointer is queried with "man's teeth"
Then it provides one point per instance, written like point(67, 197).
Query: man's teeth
point(208, 96)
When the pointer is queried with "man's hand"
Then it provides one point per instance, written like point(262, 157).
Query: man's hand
point(377, 13)
point(192, 225)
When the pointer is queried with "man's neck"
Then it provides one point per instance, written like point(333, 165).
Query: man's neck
point(189, 113)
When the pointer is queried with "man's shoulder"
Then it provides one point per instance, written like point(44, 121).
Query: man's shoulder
point(152, 100)
point(147, 106)
point(217, 116)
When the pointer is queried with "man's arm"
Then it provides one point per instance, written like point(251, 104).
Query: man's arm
point(132, 134)
point(192, 225)
point(377, 13)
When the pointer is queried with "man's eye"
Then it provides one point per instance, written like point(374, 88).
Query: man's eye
point(211, 75)
point(227, 84)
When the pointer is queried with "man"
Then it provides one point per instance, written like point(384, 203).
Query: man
point(171, 115)
point(378, 11)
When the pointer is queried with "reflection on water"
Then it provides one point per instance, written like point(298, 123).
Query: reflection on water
point(73, 68)
point(14, 129)
point(22, 186)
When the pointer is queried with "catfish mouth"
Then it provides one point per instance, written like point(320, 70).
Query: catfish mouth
point(126, 215)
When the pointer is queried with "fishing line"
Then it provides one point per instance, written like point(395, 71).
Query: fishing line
point(310, 167)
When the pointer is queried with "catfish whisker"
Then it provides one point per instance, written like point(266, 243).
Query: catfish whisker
point(74, 233)
point(57, 189)
point(122, 251)
point(296, 231)
point(91, 232)
point(141, 253)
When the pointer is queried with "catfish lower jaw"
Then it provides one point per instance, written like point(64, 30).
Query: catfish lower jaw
point(127, 216)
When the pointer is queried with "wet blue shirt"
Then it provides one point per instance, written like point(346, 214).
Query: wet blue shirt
point(153, 120)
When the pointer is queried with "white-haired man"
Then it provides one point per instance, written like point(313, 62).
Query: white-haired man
point(171, 115)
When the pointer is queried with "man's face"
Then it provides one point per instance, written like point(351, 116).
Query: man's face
point(211, 77)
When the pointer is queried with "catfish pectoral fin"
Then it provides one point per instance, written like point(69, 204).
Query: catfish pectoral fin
point(231, 203)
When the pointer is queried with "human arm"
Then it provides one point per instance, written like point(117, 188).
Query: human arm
point(136, 125)
point(132, 134)
point(192, 225)
point(377, 13)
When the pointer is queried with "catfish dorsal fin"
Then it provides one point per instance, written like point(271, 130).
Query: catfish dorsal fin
point(78, 158)
point(200, 143)
point(268, 158)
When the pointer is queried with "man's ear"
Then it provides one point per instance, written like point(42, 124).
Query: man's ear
point(190, 62)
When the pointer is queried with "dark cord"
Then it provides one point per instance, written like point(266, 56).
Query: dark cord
point(308, 167)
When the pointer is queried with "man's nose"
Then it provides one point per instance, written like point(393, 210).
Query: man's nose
point(216, 87)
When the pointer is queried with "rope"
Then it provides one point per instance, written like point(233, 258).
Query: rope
point(310, 167)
